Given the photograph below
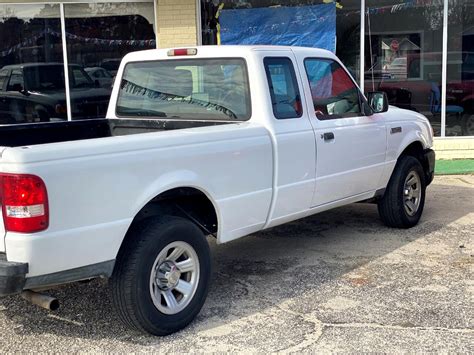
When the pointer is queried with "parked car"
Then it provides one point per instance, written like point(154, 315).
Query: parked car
point(35, 92)
point(220, 141)
point(101, 76)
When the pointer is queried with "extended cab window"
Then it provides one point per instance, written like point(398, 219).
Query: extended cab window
point(208, 89)
point(334, 93)
point(286, 100)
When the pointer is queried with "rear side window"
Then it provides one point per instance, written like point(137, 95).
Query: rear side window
point(286, 99)
point(207, 89)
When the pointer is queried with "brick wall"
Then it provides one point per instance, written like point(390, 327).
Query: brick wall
point(176, 23)
point(454, 148)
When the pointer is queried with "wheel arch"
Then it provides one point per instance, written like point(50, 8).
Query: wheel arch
point(186, 200)
point(416, 149)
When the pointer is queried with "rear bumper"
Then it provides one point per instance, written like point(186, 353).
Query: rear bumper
point(12, 276)
point(429, 159)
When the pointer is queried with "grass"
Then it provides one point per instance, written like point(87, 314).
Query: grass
point(451, 167)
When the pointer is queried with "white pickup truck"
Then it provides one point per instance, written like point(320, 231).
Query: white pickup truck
point(223, 141)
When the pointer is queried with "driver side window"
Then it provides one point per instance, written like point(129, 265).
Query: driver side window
point(332, 90)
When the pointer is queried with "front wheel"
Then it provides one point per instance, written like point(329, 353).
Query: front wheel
point(162, 275)
point(404, 198)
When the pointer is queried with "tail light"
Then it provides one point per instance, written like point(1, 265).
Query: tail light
point(24, 203)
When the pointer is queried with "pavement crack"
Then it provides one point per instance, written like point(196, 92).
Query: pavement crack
point(310, 339)
point(397, 327)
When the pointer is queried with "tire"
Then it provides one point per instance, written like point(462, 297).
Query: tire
point(139, 296)
point(394, 208)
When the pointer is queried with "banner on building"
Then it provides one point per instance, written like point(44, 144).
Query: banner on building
point(306, 26)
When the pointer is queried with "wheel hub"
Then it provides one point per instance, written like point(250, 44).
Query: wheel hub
point(412, 193)
point(168, 275)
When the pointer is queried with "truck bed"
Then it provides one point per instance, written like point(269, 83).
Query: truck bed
point(54, 132)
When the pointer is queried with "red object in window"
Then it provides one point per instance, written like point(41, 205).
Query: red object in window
point(24, 203)
point(298, 106)
point(341, 82)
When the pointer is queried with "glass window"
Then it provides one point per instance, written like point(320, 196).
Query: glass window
point(16, 80)
point(30, 37)
point(3, 78)
point(98, 36)
point(347, 24)
point(208, 89)
point(460, 70)
point(286, 100)
point(333, 92)
point(403, 51)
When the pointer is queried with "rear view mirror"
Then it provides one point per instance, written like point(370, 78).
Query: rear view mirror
point(378, 101)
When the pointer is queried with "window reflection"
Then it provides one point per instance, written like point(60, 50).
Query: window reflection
point(403, 55)
point(98, 36)
point(32, 85)
point(30, 37)
point(460, 70)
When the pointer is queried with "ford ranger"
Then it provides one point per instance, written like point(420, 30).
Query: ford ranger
point(220, 141)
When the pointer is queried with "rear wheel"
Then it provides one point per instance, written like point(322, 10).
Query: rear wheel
point(162, 275)
point(404, 198)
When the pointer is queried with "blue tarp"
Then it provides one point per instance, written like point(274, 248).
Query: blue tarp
point(307, 26)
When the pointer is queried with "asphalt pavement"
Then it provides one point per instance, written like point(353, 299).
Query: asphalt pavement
point(339, 281)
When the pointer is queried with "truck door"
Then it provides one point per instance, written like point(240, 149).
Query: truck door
point(350, 146)
point(294, 138)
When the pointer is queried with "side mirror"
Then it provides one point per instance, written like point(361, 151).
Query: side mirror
point(378, 101)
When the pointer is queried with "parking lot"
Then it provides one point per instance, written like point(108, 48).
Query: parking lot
point(337, 281)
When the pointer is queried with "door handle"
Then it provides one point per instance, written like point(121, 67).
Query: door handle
point(328, 136)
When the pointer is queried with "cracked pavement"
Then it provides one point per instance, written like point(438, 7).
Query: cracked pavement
point(335, 282)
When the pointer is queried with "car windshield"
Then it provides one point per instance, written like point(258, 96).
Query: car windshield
point(214, 89)
point(51, 77)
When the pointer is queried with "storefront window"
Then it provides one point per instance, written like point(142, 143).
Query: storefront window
point(331, 25)
point(403, 54)
point(30, 42)
point(460, 70)
point(97, 37)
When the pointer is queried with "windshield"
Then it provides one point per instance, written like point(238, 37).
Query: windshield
point(214, 89)
point(51, 77)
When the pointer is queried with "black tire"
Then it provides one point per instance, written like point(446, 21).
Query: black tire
point(392, 207)
point(130, 282)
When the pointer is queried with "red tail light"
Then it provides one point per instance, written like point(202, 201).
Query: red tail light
point(24, 203)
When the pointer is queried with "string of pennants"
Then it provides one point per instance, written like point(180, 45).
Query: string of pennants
point(108, 42)
point(399, 7)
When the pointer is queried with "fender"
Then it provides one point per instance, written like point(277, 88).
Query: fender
point(172, 180)
point(415, 134)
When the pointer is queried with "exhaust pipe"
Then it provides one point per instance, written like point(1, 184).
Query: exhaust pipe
point(39, 299)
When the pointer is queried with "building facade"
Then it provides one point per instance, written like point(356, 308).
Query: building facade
point(420, 52)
